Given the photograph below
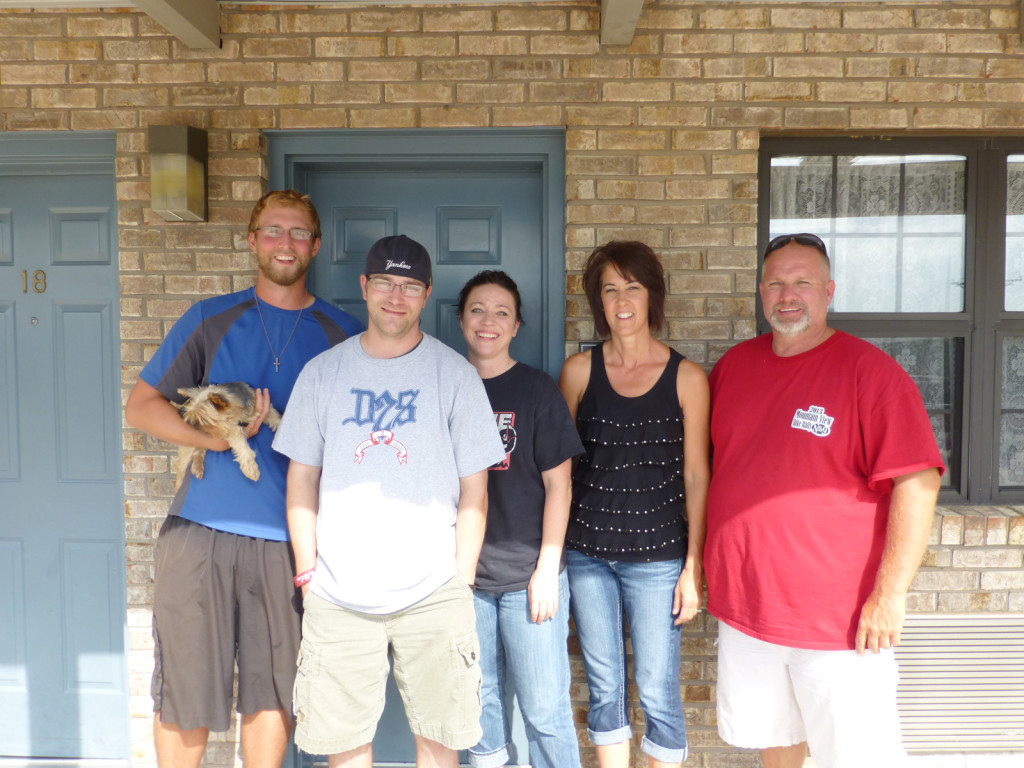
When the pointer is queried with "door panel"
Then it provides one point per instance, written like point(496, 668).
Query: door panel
point(63, 679)
point(469, 219)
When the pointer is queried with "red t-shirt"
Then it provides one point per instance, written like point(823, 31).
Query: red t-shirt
point(805, 449)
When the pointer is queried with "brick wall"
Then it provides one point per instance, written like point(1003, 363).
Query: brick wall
point(662, 139)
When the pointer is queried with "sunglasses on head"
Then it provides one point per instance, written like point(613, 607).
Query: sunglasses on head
point(803, 238)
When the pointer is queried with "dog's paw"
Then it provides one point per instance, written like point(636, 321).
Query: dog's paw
point(198, 463)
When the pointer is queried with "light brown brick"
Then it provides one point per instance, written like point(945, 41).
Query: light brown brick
point(730, 17)
point(813, 117)
point(568, 45)
point(840, 42)
point(110, 24)
point(458, 69)
point(632, 139)
point(697, 42)
point(744, 67)
point(170, 72)
point(491, 93)
point(630, 189)
point(807, 66)
point(669, 68)
point(321, 23)
point(348, 47)
point(283, 94)
point(951, 18)
point(611, 68)
point(317, 72)
point(806, 18)
point(673, 116)
point(149, 96)
point(470, 20)
point(593, 213)
point(845, 90)
point(527, 116)
point(135, 50)
point(533, 18)
point(245, 23)
point(674, 164)
point(637, 92)
point(96, 74)
point(878, 18)
point(565, 93)
point(422, 93)
point(946, 117)
point(385, 19)
point(769, 42)
point(30, 25)
point(277, 48)
point(205, 95)
point(713, 92)
point(912, 43)
point(348, 93)
point(879, 118)
point(492, 45)
point(922, 91)
point(976, 43)
point(454, 117)
point(387, 71)
point(64, 98)
point(313, 117)
point(701, 139)
point(671, 214)
point(776, 90)
point(422, 45)
point(33, 74)
point(239, 72)
point(950, 66)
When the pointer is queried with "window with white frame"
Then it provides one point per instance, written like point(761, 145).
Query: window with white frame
point(926, 238)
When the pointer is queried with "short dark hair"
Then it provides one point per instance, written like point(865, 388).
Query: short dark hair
point(633, 260)
point(492, 277)
point(287, 198)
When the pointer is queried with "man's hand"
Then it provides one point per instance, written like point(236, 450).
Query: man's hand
point(881, 622)
point(261, 407)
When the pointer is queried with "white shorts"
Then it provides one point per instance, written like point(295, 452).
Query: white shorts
point(841, 703)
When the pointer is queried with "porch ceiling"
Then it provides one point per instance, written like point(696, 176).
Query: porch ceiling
point(197, 22)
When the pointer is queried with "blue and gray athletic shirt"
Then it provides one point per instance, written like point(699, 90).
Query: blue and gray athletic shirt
point(222, 339)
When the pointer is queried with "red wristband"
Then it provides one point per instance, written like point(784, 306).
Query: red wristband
point(304, 578)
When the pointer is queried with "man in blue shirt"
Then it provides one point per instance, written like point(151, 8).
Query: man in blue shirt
point(224, 572)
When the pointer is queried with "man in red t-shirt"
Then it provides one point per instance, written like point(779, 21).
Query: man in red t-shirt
point(825, 477)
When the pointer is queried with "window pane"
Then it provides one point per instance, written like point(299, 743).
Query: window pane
point(936, 366)
point(895, 226)
point(1011, 433)
point(1014, 295)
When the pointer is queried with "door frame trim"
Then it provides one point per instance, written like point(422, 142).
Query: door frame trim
point(292, 155)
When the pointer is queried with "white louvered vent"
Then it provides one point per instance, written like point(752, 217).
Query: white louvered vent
point(962, 683)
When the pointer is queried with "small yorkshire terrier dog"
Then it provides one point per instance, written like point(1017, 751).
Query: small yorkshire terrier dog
point(224, 411)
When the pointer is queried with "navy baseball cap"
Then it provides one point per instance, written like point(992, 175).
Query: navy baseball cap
point(399, 255)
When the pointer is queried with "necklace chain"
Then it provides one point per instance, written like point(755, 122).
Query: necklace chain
point(277, 357)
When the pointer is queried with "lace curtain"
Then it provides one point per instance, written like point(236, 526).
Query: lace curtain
point(895, 226)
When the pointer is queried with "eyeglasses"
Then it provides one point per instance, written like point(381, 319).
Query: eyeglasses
point(383, 285)
point(803, 238)
point(274, 232)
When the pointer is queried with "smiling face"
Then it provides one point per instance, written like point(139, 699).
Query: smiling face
point(489, 321)
point(282, 260)
point(393, 316)
point(624, 300)
point(796, 291)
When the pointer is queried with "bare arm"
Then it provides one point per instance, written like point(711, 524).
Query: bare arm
point(470, 523)
point(154, 414)
point(906, 537)
point(574, 379)
point(695, 400)
point(303, 503)
point(543, 588)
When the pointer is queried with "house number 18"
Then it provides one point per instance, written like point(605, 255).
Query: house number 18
point(38, 281)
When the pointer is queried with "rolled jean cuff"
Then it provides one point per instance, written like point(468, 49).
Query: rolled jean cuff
point(495, 759)
point(604, 738)
point(662, 754)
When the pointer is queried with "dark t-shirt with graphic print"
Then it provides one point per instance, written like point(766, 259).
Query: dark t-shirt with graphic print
point(538, 433)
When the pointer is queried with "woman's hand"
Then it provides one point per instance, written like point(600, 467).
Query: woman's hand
point(543, 594)
point(688, 593)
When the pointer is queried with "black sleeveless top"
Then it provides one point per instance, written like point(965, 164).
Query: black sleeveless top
point(627, 489)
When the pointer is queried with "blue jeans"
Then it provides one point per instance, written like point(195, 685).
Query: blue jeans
point(536, 657)
point(601, 590)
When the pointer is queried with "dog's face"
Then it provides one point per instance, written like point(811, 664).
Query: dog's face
point(216, 406)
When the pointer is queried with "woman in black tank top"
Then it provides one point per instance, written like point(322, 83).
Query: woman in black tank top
point(636, 527)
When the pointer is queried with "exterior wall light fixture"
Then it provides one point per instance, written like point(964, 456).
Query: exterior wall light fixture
point(177, 172)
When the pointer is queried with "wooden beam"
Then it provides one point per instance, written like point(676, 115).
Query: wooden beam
point(195, 22)
point(618, 20)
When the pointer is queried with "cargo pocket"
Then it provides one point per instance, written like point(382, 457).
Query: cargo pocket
point(467, 663)
point(308, 666)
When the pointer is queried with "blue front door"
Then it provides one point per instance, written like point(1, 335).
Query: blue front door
point(477, 200)
point(63, 686)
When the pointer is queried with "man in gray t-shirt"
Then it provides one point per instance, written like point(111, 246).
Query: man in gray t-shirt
point(390, 435)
